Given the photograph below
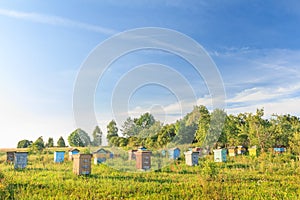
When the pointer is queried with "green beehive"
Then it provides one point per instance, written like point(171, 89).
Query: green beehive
point(220, 155)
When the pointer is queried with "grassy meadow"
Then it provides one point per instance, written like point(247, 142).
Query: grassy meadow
point(267, 177)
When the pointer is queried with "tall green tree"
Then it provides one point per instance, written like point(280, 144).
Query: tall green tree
point(61, 142)
point(166, 135)
point(145, 120)
point(112, 131)
point(79, 138)
point(216, 134)
point(259, 130)
point(203, 125)
point(50, 142)
point(38, 145)
point(97, 136)
point(129, 128)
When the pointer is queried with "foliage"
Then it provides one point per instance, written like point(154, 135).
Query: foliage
point(61, 142)
point(50, 142)
point(38, 145)
point(129, 128)
point(24, 144)
point(97, 137)
point(144, 121)
point(79, 138)
point(112, 131)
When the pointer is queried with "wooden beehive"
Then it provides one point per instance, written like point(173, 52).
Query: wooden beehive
point(73, 152)
point(59, 156)
point(191, 158)
point(220, 155)
point(82, 164)
point(20, 160)
point(143, 159)
point(10, 156)
point(131, 155)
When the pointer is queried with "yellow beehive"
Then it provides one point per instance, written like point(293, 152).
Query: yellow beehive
point(231, 152)
point(252, 152)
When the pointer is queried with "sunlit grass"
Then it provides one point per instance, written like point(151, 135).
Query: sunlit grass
point(266, 177)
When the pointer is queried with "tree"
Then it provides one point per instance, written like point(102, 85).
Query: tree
point(61, 142)
point(50, 142)
point(203, 125)
point(184, 134)
point(24, 144)
point(166, 135)
point(145, 121)
point(129, 128)
point(112, 131)
point(38, 145)
point(230, 135)
point(75, 140)
point(216, 125)
point(97, 136)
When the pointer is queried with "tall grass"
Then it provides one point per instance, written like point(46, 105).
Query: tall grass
point(267, 177)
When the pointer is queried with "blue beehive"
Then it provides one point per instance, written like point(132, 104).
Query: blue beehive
point(279, 149)
point(220, 155)
point(73, 152)
point(20, 160)
point(163, 153)
point(59, 156)
point(174, 153)
point(101, 155)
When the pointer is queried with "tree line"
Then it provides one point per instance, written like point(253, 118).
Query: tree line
point(78, 138)
point(215, 129)
point(199, 127)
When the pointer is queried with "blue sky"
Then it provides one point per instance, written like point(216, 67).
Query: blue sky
point(255, 45)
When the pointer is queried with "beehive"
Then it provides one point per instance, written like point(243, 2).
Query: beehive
point(143, 159)
point(240, 150)
point(232, 152)
point(174, 153)
point(20, 160)
point(59, 156)
point(279, 150)
point(163, 153)
point(10, 156)
point(220, 155)
point(73, 152)
point(82, 164)
point(131, 155)
point(191, 157)
point(101, 155)
point(252, 152)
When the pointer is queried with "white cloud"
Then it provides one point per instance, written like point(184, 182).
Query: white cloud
point(55, 20)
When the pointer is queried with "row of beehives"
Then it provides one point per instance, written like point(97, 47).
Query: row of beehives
point(82, 162)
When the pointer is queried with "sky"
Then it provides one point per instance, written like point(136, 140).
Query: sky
point(255, 45)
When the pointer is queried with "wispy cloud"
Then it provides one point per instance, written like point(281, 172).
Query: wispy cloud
point(55, 21)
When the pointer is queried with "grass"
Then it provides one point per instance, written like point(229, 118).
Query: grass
point(266, 177)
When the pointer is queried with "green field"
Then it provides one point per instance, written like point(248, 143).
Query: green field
point(266, 177)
